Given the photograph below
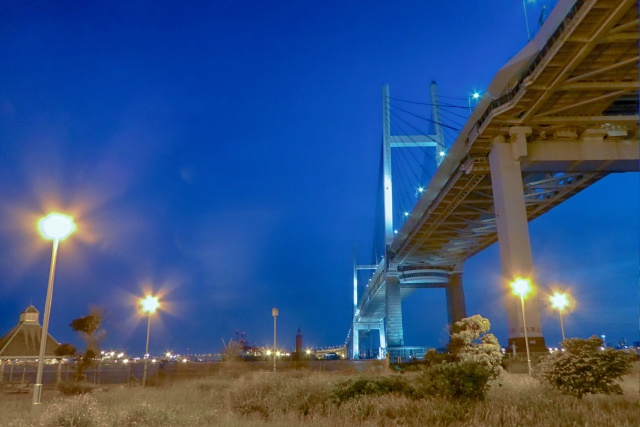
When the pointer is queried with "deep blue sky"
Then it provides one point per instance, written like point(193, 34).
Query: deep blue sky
point(226, 153)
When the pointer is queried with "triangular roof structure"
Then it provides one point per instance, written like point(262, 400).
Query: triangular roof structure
point(23, 341)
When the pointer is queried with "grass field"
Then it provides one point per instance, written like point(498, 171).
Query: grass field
point(235, 397)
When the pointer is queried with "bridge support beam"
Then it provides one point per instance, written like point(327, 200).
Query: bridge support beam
point(513, 237)
point(393, 308)
point(456, 307)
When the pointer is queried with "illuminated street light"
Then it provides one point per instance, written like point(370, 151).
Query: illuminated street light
point(522, 287)
point(149, 305)
point(274, 313)
point(56, 227)
point(475, 96)
point(560, 301)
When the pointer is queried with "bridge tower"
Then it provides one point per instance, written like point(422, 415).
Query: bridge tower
point(401, 279)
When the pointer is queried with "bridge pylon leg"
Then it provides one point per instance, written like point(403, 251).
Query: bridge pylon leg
point(355, 342)
point(456, 307)
point(513, 238)
point(383, 339)
point(393, 308)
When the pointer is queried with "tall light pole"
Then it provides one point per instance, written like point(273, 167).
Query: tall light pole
point(522, 287)
point(56, 227)
point(560, 301)
point(274, 313)
point(149, 305)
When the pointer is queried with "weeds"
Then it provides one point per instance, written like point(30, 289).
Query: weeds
point(318, 399)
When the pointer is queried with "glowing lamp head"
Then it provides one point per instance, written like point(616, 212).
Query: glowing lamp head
point(559, 301)
point(476, 95)
point(521, 287)
point(441, 153)
point(56, 226)
point(150, 304)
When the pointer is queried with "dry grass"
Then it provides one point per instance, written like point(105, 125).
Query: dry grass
point(235, 398)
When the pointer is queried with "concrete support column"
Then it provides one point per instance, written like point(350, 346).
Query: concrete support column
point(456, 307)
point(383, 339)
point(513, 238)
point(355, 342)
point(393, 308)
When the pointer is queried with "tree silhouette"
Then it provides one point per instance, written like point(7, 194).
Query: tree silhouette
point(89, 329)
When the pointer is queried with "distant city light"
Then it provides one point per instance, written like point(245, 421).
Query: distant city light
point(420, 189)
point(405, 213)
point(442, 153)
point(476, 95)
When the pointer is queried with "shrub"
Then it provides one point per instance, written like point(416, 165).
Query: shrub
point(472, 342)
point(459, 380)
point(372, 386)
point(431, 358)
point(70, 388)
point(145, 414)
point(584, 367)
point(266, 394)
point(79, 411)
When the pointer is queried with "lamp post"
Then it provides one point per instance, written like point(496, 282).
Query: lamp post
point(560, 301)
point(522, 287)
point(149, 305)
point(526, 19)
point(274, 313)
point(56, 227)
point(475, 96)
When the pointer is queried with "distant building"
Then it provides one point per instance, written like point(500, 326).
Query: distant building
point(299, 343)
point(23, 341)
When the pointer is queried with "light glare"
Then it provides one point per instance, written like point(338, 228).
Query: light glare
point(56, 226)
point(150, 304)
point(521, 286)
point(559, 301)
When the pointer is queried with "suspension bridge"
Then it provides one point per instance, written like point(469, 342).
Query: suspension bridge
point(559, 116)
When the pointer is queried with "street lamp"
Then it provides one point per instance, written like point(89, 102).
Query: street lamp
point(560, 301)
point(274, 313)
point(56, 227)
point(522, 287)
point(149, 305)
point(475, 96)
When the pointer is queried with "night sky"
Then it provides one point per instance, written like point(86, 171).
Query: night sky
point(226, 154)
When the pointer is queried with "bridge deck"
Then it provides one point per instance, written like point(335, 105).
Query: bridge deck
point(575, 86)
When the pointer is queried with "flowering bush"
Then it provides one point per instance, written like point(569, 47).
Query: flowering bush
point(584, 367)
point(472, 342)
